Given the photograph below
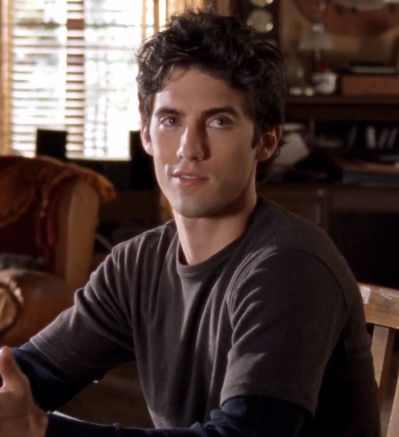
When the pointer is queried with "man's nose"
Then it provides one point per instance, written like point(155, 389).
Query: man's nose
point(192, 144)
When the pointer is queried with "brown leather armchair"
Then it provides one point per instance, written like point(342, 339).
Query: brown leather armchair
point(65, 221)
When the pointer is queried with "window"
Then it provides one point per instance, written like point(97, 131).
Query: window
point(70, 65)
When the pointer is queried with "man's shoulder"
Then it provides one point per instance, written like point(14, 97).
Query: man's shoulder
point(276, 232)
point(276, 228)
point(154, 239)
point(277, 235)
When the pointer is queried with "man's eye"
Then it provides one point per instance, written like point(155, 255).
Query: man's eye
point(168, 121)
point(220, 122)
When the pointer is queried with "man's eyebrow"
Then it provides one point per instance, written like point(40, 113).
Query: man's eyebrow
point(166, 110)
point(163, 110)
point(221, 110)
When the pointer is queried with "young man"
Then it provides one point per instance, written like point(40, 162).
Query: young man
point(242, 318)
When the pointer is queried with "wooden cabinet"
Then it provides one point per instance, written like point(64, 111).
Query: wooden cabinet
point(343, 109)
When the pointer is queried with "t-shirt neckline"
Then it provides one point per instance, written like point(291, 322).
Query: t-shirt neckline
point(219, 257)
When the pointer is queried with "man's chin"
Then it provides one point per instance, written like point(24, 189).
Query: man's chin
point(196, 211)
point(211, 207)
point(205, 211)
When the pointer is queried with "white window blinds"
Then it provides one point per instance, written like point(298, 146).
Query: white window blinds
point(70, 65)
point(73, 68)
point(38, 69)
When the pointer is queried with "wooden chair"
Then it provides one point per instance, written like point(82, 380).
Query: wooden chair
point(381, 306)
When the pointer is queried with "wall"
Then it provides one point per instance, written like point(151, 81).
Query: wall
point(380, 48)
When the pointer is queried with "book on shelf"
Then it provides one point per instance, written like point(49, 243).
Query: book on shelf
point(371, 68)
point(380, 142)
point(361, 172)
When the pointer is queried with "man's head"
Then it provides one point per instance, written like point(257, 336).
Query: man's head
point(210, 93)
point(221, 46)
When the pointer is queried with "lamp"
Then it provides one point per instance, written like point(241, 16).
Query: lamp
point(317, 41)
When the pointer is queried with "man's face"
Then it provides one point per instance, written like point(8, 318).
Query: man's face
point(201, 138)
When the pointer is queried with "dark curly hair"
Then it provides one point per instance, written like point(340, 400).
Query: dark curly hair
point(224, 47)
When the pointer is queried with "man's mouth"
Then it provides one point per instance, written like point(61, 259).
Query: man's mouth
point(188, 178)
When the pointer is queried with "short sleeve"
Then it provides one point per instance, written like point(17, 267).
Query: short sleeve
point(93, 335)
point(287, 313)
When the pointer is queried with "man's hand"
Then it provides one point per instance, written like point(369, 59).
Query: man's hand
point(19, 416)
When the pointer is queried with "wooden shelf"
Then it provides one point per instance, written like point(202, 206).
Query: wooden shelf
point(338, 198)
point(342, 108)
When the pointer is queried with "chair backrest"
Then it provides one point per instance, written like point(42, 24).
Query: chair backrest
point(76, 220)
point(381, 306)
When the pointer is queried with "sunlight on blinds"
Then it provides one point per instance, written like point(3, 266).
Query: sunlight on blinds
point(38, 69)
point(113, 33)
point(73, 68)
point(5, 76)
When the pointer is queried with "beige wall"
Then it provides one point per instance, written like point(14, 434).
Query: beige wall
point(380, 48)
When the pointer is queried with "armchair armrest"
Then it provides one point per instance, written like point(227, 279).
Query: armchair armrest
point(29, 300)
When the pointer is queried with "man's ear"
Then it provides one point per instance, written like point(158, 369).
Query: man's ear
point(146, 137)
point(268, 143)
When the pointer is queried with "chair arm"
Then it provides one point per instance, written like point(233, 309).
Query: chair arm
point(30, 300)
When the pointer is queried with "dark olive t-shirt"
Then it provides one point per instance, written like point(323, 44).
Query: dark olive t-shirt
point(276, 313)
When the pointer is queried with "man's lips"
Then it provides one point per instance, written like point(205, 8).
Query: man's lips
point(188, 178)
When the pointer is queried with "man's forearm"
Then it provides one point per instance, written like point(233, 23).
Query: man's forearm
point(239, 417)
point(60, 388)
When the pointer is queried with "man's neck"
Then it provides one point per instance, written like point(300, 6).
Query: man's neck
point(200, 238)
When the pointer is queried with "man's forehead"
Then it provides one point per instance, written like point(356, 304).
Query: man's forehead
point(199, 89)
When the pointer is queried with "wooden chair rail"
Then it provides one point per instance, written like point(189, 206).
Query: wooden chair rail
point(381, 306)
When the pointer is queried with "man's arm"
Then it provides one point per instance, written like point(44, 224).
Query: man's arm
point(60, 387)
point(255, 416)
point(239, 416)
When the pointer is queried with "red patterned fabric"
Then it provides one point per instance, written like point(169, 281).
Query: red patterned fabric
point(28, 200)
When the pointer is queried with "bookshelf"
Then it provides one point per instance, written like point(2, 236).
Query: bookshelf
point(361, 216)
point(364, 127)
